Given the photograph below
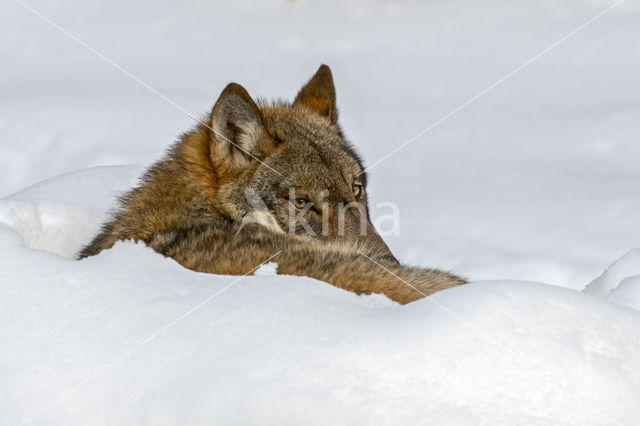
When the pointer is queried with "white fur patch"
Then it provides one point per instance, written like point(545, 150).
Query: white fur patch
point(250, 133)
point(262, 217)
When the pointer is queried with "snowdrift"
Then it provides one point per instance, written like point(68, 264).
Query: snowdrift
point(130, 337)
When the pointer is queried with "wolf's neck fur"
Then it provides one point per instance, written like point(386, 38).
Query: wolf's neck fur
point(173, 193)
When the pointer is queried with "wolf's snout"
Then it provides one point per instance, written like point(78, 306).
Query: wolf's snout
point(359, 227)
point(374, 246)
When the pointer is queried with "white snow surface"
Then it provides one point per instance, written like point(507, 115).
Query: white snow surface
point(628, 266)
point(131, 337)
point(620, 283)
point(536, 181)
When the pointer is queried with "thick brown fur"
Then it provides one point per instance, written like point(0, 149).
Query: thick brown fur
point(198, 205)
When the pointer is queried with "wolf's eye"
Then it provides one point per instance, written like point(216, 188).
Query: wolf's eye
point(300, 203)
point(357, 190)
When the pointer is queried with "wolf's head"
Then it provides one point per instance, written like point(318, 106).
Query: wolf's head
point(289, 167)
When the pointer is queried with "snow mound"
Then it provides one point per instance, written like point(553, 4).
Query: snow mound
point(620, 283)
point(627, 293)
point(62, 214)
point(131, 337)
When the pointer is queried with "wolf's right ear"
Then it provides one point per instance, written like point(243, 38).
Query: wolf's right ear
point(237, 127)
point(319, 94)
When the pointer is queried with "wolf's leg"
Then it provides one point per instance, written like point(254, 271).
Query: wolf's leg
point(216, 250)
point(359, 274)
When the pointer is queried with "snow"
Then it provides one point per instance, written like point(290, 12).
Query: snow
point(627, 266)
point(270, 268)
point(627, 293)
point(62, 214)
point(135, 338)
point(620, 283)
point(536, 181)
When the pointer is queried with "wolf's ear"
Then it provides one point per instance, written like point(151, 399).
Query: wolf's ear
point(319, 94)
point(237, 126)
